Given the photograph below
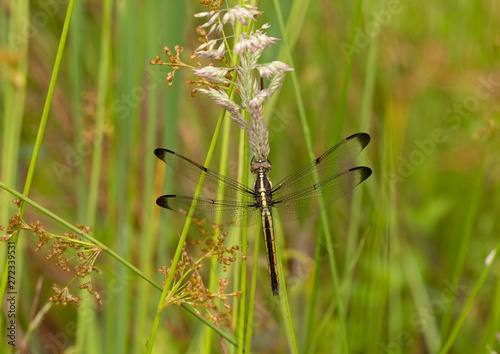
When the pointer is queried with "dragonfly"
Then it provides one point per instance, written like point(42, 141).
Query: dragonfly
point(303, 193)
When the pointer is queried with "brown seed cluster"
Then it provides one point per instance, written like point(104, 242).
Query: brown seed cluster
point(68, 245)
point(212, 4)
point(189, 287)
point(63, 296)
point(16, 223)
point(224, 255)
point(174, 61)
point(65, 249)
point(90, 288)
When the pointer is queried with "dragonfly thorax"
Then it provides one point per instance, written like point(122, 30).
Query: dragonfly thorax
point(263, 186)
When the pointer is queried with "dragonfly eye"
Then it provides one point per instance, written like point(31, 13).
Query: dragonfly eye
point(266, 165)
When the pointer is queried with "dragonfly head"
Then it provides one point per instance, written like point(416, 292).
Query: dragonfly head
point(257, 166)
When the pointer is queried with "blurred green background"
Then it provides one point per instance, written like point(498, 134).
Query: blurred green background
point(411, 243)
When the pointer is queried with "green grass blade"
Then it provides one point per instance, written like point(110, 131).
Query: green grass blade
point(465, 238)
point(285, 305)
point(348, 71)
point(13, 93)
point(477, 287)
point(183, 236)
point(43, 122)
point(244, 250)
point(253, 288)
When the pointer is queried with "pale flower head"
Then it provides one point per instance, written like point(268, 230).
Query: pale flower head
point(241, 13)
point(270, 69)
point(249, 49)
point(255, 41)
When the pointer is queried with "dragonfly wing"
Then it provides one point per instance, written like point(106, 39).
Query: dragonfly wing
point(327, 165)
point(213, 181)
point(313, 199)
point(221, 212)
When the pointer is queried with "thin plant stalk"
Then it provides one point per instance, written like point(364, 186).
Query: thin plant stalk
point(170, 102)
point(421, 298)
point(35, 323)
point(244, 250)
point(237, 274)
point(183, 236)
point(14, 98)
point(83, 335)
point(473, 206)
point(150, 222)
point(347, 77)
point(43, 124)
point(325, 318)
point(371, 74)
point(102, 85)
point(309, 147)
point(285, 306)
point(480, 282)
point(311, 329)
point(75, 53)
point(224, 153)
point(462, 252)
point(123, 180)
point(490, 337)
point(294, 27)
point(253, 290)
point(366, 107)
point(14, 103)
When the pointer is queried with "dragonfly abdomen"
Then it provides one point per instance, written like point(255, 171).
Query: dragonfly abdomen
point(263, 197)
point(267, 223)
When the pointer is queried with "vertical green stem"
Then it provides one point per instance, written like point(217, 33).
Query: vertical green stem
point(102, 85)
point(86, 327)
point(43, 123)
point(253, 288)
point(309, 147)
point(468, 305)
point(182, 239)
point(244, 250)
point(347, 76)
point(285, 306)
